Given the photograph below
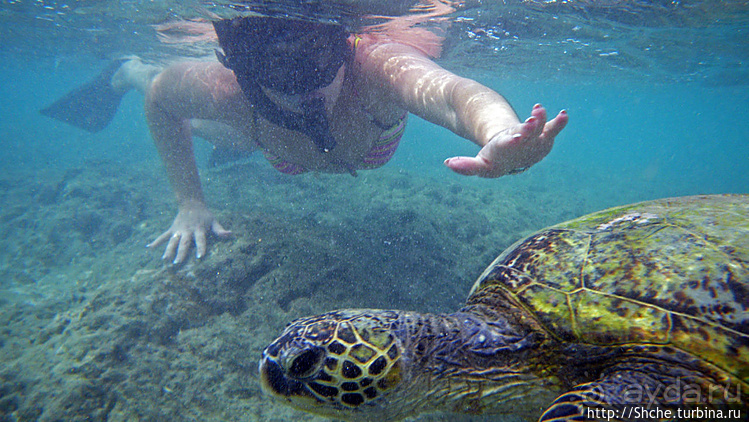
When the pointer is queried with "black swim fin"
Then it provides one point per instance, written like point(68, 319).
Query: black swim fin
point(92, 106)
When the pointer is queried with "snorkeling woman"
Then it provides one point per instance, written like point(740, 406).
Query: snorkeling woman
point(311, 97)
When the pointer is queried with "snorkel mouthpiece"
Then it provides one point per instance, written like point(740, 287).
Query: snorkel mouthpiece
point(313, 111)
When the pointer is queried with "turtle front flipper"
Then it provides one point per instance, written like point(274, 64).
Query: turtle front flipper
point(650, 390)
point(584, 402)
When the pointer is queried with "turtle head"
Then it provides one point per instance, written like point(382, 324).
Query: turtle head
point(337, 364)
point(367, 364)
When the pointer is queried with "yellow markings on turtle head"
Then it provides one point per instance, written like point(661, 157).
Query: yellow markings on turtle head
point(392, 378)
point(361, 353)
point(363, 361)
point(380, 339)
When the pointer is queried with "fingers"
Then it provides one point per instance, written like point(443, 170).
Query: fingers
point(539, 112)
point(200, 244)
point(184, 247)
point(171, 247)
point(219, 230)
point(159, 240)
point(553, 127)
point(179, 242)
point(467, 166)
point(178, 246)
point(515, 149)
point(534, 125)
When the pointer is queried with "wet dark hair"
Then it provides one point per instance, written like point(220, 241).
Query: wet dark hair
point(288, 55)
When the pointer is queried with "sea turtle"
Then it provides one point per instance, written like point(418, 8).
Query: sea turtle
point(617, 315)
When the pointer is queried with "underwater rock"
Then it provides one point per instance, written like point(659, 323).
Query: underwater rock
point(87, 223)
point(125, 336)
point(49, 193)
point(120, 232)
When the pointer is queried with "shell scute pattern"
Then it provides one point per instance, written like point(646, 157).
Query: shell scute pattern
point(552, 308)
point(672, 272)
point(603, 319)
point(657, 268)
point(540, 253)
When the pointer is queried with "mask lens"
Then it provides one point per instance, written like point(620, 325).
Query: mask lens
point(290, 56)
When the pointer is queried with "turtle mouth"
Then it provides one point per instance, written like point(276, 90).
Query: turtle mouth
point(272, 378)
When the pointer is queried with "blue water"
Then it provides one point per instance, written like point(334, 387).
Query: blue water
point(668, 139)
point(657, 93)
point(660, 133)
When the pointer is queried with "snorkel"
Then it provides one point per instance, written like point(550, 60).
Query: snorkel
point(288, 56)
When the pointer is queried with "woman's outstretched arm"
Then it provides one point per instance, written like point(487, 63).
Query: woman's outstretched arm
point(471, 110)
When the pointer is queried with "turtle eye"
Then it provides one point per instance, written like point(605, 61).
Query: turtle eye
point(306, 363)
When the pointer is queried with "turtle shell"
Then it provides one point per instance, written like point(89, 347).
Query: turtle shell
point(672, 272)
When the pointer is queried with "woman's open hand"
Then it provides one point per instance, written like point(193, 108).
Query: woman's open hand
point(193, 222)
point(513, 150)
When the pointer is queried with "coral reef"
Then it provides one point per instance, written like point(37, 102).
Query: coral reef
point(96, 327)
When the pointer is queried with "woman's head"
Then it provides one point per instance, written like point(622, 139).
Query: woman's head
point(286, 55)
